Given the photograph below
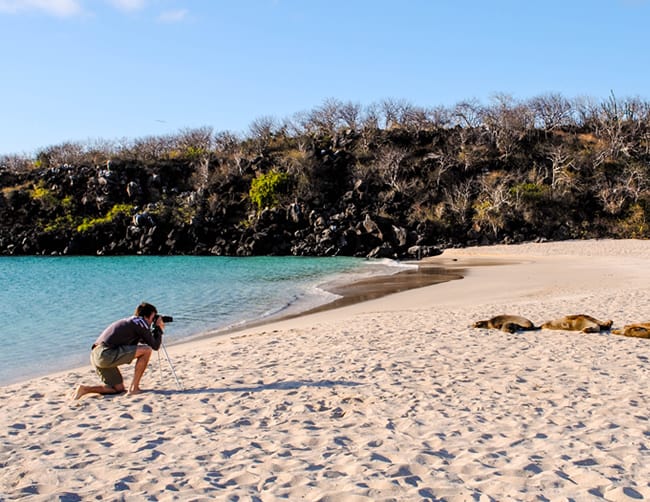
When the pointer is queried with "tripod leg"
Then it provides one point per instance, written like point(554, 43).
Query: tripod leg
point(160, 367)
point(171, 366)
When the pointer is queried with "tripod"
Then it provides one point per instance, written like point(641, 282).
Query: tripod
point(171, 366)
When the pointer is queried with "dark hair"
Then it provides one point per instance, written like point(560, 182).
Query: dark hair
point(145, 310)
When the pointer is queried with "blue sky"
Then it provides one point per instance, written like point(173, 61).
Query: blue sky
point(81, 70)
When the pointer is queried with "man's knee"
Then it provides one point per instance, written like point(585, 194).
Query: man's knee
point(143, 352)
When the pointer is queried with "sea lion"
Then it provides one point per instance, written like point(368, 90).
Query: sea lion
point(637, 330)
point(507, 323)
point(579, 322)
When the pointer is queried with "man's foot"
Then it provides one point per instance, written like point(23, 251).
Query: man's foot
point(133, 392)
point(78, 392)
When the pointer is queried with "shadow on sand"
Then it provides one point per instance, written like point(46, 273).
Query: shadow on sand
point(290, 385)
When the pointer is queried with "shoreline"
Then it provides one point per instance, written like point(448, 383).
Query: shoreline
point(348, 291)
point(420, 274)
point(429, 272)
point(393, 398)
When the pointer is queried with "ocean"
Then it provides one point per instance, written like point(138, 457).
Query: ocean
point(53, 308)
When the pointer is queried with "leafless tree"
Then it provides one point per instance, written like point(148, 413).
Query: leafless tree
point(508, 122)
point(390, 166)
point(637, 113)
point(152, 148)
point(493, 202)
point(99, 151)
point(200, 139)
point(229, 147)
point(300, 130)
point(350, 115)
point(370, 123)
point(396, 113)
point(332, 116)
point(226, 142)
point(472, 147)
point(585, 112)
point(440, 116)
point(69, 153)
point(636, 180)
point(611, 127)
point(390, 111)
point(611, 197)
point(371, 117)
point(197, 145)
point(624, 121)
point(551, 111)
point(468, 114)
point(562, 163)
point(458, 200)
point(442, 161)
point(298, 124)
point(327, 116)
point(15, 163)
point(261, 131)
point(618, 191)
point(419, 119)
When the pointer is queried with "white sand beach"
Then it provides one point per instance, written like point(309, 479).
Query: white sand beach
point(396, 398)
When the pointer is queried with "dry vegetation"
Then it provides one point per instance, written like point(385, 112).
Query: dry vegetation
point(548, 167)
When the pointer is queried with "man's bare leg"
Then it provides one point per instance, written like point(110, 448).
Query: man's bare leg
point(82, 390)
point(142, 354)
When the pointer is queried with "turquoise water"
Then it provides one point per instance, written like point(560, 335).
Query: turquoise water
point(53, 308)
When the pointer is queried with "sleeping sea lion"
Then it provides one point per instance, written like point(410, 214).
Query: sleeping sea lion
point(507, 323)
point(579, 322)
point(637, 330)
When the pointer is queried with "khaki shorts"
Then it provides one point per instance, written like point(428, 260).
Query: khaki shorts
point(105, 360)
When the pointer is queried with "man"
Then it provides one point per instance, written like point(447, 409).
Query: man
point(119, 344)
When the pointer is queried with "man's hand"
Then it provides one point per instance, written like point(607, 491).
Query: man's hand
point(160, 323)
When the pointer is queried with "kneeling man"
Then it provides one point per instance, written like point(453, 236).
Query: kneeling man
point(120, 343)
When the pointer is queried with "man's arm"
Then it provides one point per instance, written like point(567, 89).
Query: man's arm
point(154, 340)
point(156, 337)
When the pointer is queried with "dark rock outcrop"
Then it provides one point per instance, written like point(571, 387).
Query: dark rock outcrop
point(126, 208)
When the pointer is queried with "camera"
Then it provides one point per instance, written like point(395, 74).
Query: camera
point(165, 318)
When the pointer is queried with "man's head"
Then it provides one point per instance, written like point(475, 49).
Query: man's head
point(145, 310)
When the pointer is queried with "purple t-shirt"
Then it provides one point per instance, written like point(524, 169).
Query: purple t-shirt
point(130, 331)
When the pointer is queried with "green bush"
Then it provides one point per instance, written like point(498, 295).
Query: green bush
point(61, 223)
point(530, 192)
point(265, 188)
point(195, 152)
point(44, 195)
point(116, 210)
point(66, 221)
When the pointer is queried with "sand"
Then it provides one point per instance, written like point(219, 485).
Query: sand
point(396, 398)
